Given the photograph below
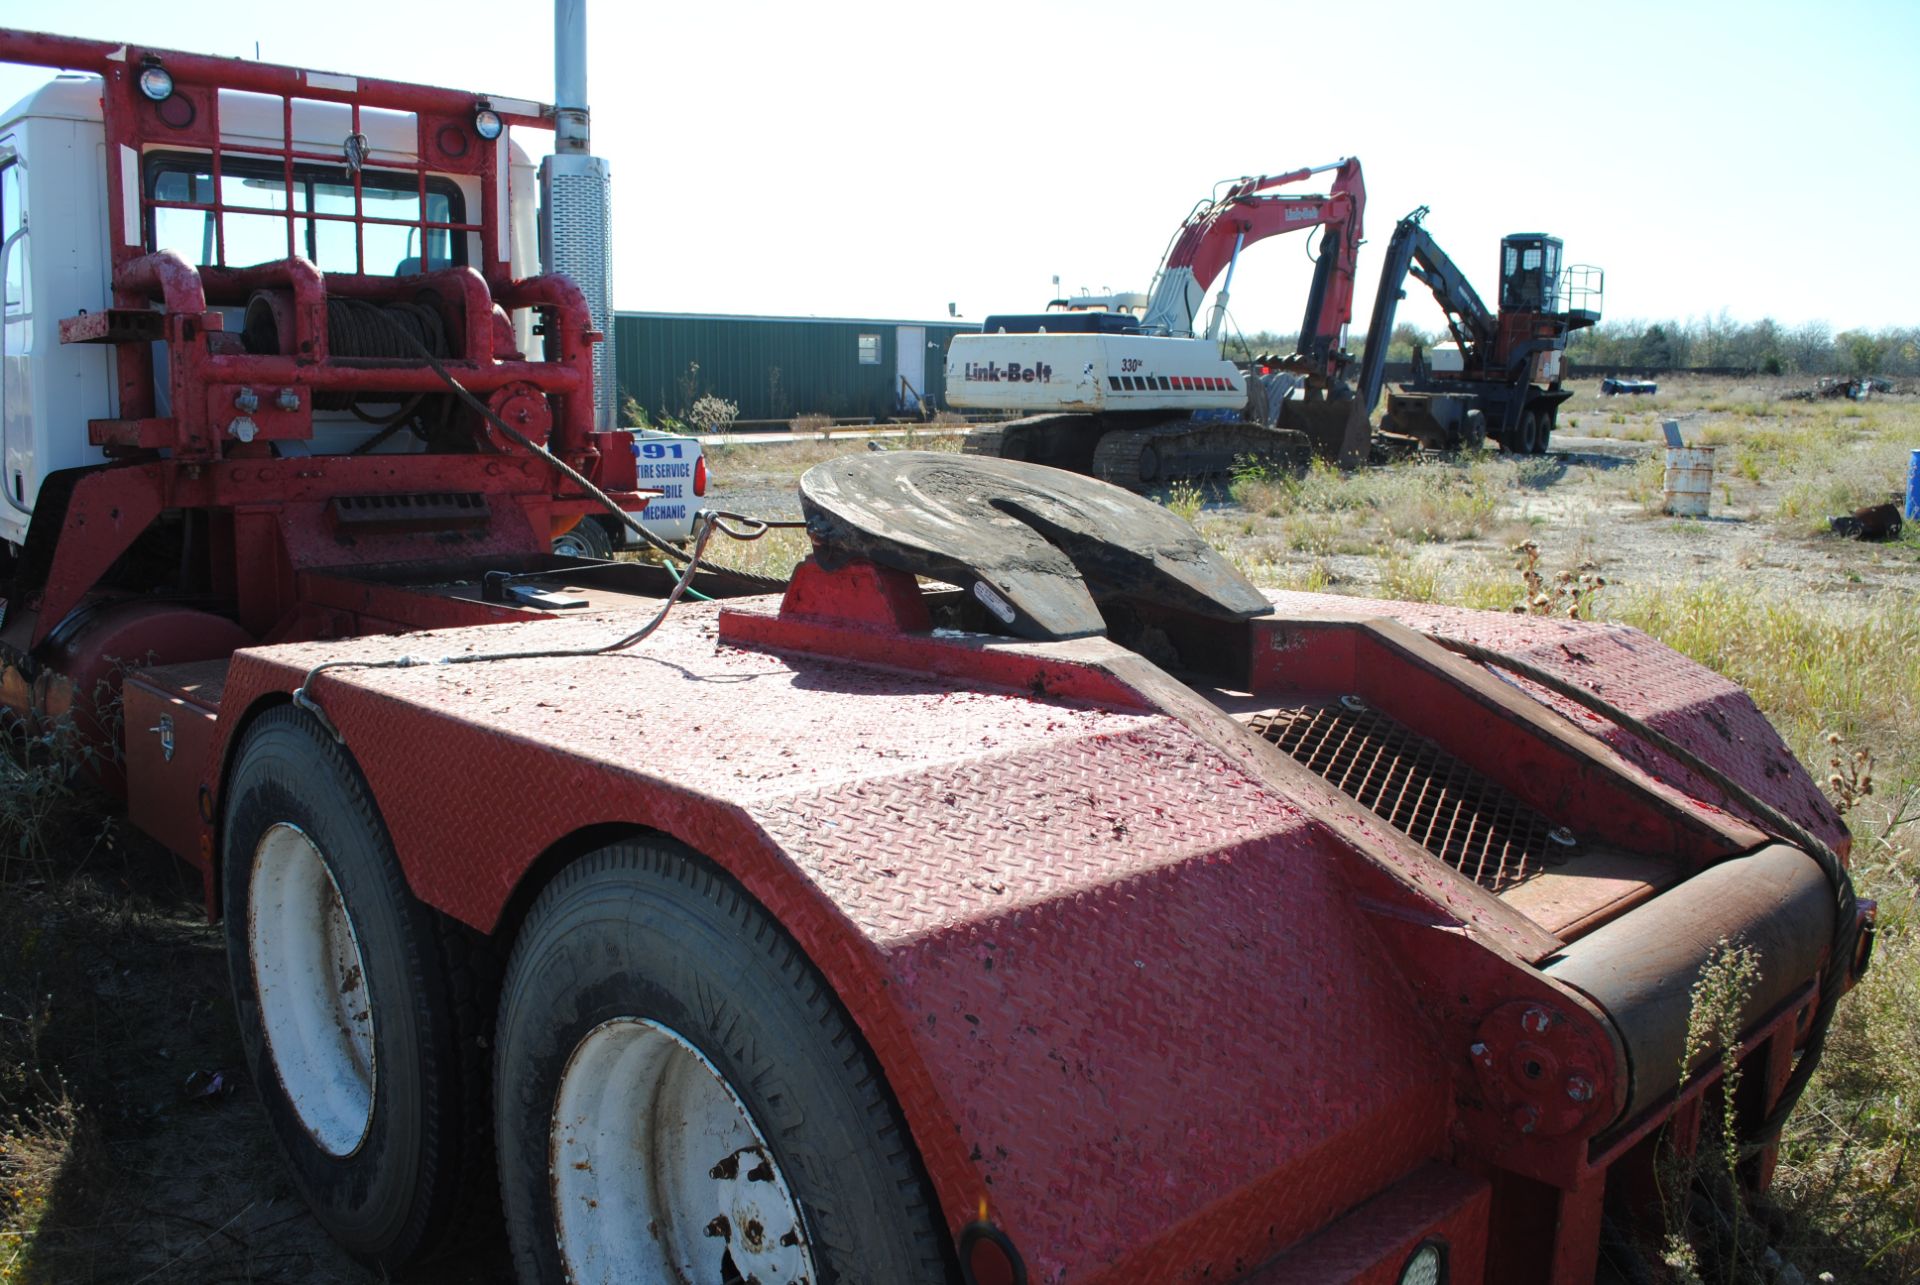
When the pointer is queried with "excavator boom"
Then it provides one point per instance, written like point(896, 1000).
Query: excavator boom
point(1220, 228)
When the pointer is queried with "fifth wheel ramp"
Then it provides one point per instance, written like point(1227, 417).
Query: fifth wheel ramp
point(1036, 545)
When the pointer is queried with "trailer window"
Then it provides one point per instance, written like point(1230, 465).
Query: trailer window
point(254, 216)
point(869, 350)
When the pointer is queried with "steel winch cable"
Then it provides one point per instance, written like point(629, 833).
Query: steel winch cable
point(1846, 927)
point(735, 526)
point(706, 523)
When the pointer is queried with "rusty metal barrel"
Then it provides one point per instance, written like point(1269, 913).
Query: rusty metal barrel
point(1688, 486)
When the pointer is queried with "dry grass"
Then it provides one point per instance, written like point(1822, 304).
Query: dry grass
point(1851, 667)
point(737, 463)
point(776, 553)
point(39, 1127)
point(113, 992)
point(1849, 1179)
point(1326, 511)
point(1185, 500)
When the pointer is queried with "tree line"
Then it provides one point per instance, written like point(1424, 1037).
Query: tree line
point(1765, 347)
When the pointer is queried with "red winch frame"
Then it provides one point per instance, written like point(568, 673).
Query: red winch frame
point(275, 517)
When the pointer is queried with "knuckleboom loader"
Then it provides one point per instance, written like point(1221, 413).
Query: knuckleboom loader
point(1143, 401)
point(1502, 376)
point(1016, 892)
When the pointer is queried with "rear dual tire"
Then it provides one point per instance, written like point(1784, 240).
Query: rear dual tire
point(358, 1006)
point(645, 987)
point(680, 1097)
point(1532, 435)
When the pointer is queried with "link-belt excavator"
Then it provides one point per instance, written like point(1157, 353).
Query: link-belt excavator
point(1144, 401)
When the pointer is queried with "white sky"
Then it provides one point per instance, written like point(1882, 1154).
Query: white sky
point(884, 159)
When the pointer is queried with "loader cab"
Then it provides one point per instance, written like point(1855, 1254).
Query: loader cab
point(1529, 272)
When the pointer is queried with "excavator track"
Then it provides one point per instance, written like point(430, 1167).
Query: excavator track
point(1139, 458)
point(1001, 441)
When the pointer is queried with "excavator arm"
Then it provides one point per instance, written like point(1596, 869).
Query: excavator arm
point(1220, 228)
point(1412, 251)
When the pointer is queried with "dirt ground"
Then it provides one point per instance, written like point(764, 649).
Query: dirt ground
point(1580, 502)
point(124, 1159)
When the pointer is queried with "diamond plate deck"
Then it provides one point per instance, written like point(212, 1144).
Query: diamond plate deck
point(1118, 986)
point(1134, 995)
point(1702, 711)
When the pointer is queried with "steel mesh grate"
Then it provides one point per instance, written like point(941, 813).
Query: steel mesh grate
point(1419, 789)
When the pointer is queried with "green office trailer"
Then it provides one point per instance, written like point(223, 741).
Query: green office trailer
point(777, 368)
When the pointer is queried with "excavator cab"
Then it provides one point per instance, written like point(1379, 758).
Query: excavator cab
point(1529, 272)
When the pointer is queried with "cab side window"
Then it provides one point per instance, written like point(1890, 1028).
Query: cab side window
point(13, 224)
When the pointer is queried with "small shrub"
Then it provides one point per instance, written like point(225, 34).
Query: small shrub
point(1713, 1022)
point(1850, 778)
point(1409, 578)
point(712, 414)
point(1567, 593)
point(1647, 483)
point(1185, 500)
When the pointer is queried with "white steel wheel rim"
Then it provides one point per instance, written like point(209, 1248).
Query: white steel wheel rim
point(659, 1173)
point(312, 988)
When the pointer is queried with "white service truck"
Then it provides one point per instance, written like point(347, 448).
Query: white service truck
point(665, 462)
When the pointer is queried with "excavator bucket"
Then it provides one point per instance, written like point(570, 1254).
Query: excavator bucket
point(1338, 429)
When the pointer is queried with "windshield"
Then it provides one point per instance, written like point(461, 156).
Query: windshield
point(258, 213)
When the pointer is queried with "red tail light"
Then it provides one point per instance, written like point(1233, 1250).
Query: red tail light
point(700, 477)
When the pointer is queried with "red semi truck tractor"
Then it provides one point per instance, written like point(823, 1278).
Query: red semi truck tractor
point(1013, 894)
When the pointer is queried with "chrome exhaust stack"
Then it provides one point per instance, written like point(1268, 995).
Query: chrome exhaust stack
point(576, 198)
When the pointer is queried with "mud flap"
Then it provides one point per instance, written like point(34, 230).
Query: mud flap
point(43, 531)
